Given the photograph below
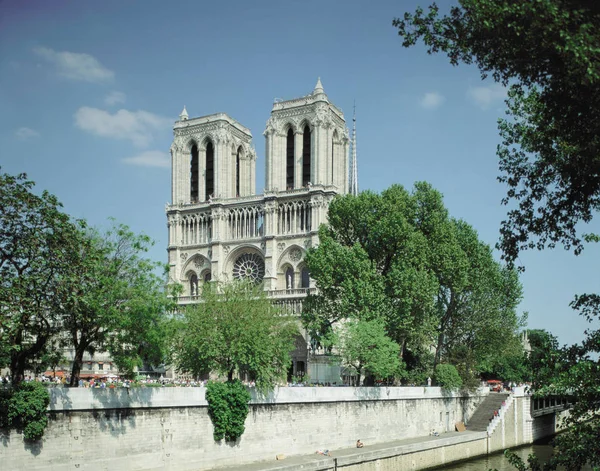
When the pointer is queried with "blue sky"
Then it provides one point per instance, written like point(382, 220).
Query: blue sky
point(89, 92)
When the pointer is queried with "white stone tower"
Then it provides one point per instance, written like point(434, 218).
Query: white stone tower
point(306, 143)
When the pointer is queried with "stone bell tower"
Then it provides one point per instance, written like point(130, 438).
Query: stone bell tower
point(306, 144)
point(212, 157)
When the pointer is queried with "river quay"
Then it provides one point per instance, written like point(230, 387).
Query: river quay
point(170, 429)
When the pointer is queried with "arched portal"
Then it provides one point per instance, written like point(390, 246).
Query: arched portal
point(210, 171)
point(289, 150)
point(306, 156)
point(194, 173)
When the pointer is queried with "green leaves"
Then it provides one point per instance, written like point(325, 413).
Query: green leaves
point(25, 409)
point(235, 330)
point(36, 240)
point(547, 51)
point(399, 258)
point(228, 408)
point(447, 377)
point(365, 347)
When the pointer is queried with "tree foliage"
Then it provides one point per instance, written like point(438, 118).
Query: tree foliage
point(26, 409)
point(446, 376)
point(119, 302)
point(235, 330)
point(228, 408)
point(65, 285)
point(400, 258)
point(548, 51)
point(365, 347)
point(36, 239)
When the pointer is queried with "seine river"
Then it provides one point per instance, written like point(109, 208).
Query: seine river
point(500, 463)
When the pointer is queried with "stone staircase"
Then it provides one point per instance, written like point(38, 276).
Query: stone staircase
point(485, 412)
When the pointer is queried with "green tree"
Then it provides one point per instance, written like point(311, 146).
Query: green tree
point(119, 303)
point(365, 347)
point(399, 257)
point(447, 376)
point(544, 361)
point(235, 330)
point(36, 239)
point(547, 51)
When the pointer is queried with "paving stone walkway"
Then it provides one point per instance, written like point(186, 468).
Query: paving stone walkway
point(346, 456)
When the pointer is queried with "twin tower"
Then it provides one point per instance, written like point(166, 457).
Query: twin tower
point(306, 144)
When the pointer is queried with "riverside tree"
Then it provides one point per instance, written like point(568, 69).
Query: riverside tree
point(119, 303)
point(234, 331)
point(36, 239)
point(365, 347)
point(400, 258)
point(548, 52)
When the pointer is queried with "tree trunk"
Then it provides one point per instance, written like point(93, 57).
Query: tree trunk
point(230, 374)
point(438, 350)
point(77, 362)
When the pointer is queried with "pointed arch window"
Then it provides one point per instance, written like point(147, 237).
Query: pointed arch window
point(304, 278)
point(194, 173)
point(306, 156)
point(289, 153)
point(210, 171)
point(237, 171)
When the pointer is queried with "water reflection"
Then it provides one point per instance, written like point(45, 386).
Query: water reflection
point(499, 462)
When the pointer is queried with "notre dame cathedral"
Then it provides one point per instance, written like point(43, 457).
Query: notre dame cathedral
point(220, 229)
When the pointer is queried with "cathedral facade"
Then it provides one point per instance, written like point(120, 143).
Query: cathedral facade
point(221, 230)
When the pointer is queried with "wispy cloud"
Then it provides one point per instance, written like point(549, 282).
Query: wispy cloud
point(114, 98)
point(432, 100)
point(26, 133)
point(150, 158)
point(485, 97)
point(137, 126)
point(76, 65)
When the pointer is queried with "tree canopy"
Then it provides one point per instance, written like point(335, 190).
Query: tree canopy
point(64, 285)
point(400, 258)
point(36, 239)
point(119, 303)
point(235, 330)
point(547, 51)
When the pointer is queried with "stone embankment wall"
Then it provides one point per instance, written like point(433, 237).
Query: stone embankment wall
point(169, 428)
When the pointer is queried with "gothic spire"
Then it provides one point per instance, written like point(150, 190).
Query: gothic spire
point(353, 189)
point(318, 87)
point(184, 114)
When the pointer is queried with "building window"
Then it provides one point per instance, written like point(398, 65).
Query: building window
point(210, 171)
point(194, 174)
point(289, 181)
point(237, 172)
point(249, 266)
point(100, 366)
point(306, 156)
point(207, 277)
point(305, 278)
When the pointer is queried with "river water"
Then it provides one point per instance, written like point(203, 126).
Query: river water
point(499, 462)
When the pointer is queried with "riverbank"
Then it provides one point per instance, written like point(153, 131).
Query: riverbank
point(413, 453)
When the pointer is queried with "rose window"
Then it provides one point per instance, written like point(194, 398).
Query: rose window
point(249, 266)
